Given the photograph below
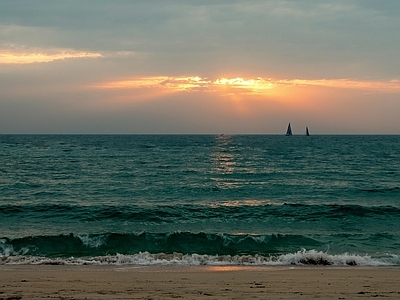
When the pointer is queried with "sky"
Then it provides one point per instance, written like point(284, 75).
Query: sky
point(199, 67)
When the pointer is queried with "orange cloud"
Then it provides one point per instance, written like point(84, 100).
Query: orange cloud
point(245, 86)
point(173, 83)
point(38, 56)
point(192, 83)
point(393, 85)
point(253, 86)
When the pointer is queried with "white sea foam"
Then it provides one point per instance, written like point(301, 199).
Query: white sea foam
point(7, 250)
point(303, 257)
point(92, 241)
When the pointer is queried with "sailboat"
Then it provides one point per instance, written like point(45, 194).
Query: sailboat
point(289, 130)
point(307, 132)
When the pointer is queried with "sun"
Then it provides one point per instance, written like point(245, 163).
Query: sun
point(256, 86)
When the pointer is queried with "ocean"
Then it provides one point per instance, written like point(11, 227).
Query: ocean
point(200, 199)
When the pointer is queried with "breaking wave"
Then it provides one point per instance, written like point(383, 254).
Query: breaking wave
point(302, 257)
point(180, 248)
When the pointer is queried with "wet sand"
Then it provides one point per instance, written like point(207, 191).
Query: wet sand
point(203, 282)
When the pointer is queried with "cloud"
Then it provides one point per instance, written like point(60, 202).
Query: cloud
point(271, 38)
point(242, 85)
point(42, 55)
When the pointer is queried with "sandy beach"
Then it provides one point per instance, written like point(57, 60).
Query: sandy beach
point(204, 282)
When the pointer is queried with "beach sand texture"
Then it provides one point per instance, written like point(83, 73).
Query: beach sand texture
point(203, 282)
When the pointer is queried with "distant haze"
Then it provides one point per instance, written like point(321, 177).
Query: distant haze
point(164, 66)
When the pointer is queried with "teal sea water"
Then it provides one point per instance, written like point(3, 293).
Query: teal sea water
point(200, 199)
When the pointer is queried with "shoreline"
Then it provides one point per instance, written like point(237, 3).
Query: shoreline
point(197, 282)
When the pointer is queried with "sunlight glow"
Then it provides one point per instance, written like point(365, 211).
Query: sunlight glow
point(138, 83)
point(245, 86)
point(193, 83)
point(257, 86)
point(174, 83)
point(18, 57)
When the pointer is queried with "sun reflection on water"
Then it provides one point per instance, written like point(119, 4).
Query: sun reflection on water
point(223, 160)
point(225, 268)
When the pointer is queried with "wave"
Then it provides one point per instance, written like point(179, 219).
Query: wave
point(395, 189)
point(154, 214)
point(183, 248)
point(184, 242)
point(302, 257)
